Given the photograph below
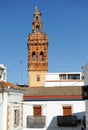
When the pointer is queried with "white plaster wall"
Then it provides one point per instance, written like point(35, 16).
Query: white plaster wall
point(15, 102)
point(57, 84)
point(27, 110)
point(86, 114)
point(15, 97)
point(86, 74)
point(55, 76)
point(3, 111)
point(7, 105)
point(52, 109)
point(52, 76)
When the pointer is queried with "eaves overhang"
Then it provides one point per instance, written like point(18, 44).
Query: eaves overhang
point(53, 98)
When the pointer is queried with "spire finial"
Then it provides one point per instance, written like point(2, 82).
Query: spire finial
point(36, 9)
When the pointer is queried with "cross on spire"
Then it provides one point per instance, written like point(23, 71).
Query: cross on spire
point(36, 9)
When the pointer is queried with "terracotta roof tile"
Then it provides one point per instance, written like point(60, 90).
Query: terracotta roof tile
point(8, 84)
point(53, 91)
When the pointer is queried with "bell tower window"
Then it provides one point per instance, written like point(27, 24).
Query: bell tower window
point(34, 56)
point(37, 19)
point(37, 28)
point(41, 56)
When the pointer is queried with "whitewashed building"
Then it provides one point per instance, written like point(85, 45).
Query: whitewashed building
point(58, 105)
point(11, 107)
point(54, 108)
point(64, 79)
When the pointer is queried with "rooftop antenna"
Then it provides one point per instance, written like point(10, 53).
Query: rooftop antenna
point(21, 72)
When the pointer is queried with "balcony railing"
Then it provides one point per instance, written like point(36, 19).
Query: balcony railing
point(67, 121)
point(36, 121)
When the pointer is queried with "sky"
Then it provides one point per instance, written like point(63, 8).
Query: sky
point(64, 21)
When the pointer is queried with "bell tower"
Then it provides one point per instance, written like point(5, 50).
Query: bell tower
point(37, 53)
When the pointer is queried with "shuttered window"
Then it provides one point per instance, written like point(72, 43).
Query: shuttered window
point(67, 110)
point(16, 117)
point(37, 110)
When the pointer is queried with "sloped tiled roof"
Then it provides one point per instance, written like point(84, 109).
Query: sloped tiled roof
point(47, 92)
point(8, 84)
point(43, 91)
point(53, 93)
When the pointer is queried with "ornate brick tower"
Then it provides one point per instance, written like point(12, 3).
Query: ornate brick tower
point(37, 53)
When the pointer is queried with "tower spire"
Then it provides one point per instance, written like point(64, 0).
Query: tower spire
point(36, 9)
point(37, 23)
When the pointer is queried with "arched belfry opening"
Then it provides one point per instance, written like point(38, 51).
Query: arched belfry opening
point(37, 28)
point(33, 56)
point(41, 56)
point(37, 53)
point(37, 19)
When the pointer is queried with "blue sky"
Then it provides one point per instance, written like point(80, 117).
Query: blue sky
point(64, 21)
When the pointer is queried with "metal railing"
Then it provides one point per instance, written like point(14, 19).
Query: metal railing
point(67, 121)
point(36, 121)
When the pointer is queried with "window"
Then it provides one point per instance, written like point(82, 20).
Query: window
point(41, 56)
point(62, 76)
point(37, 28)
point(37, 19)
point(38, 78)
point(73, 76)
point(67, 110)
point(37, 110)
point(16, 117)
point(33, 56)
